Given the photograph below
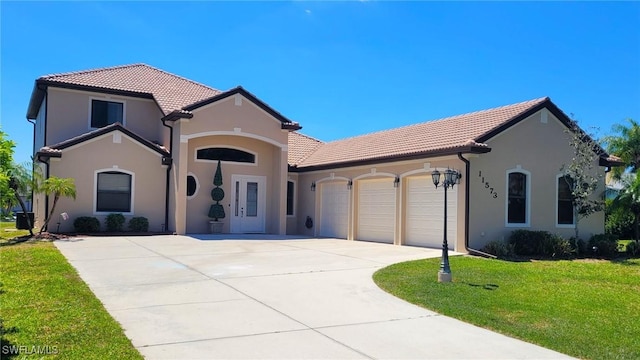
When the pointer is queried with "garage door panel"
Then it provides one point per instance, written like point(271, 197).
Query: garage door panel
point(376, 210)
point(424, 224)
point(334, 210)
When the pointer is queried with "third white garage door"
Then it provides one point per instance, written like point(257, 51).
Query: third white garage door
point(376, 210)
point(425, 213)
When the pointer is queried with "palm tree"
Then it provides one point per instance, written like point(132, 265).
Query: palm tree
point(57, 187)
point(22, 179)
point(629, 200)
point(625, 145)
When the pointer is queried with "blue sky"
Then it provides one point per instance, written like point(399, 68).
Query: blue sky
point(342, 68)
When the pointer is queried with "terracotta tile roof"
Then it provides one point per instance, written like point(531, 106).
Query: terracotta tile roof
point(439, 135)
point(56, 149)
point(301, 146)
point(170, 91)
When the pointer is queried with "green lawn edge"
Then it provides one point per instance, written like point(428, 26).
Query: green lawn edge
point(48, 310)
point(583, 308)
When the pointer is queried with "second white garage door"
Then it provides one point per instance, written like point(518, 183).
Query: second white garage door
point(376, 210)
point(425, 213)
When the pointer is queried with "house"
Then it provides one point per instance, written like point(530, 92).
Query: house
point(144, 142)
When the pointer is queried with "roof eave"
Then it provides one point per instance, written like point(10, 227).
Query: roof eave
point(465, 149)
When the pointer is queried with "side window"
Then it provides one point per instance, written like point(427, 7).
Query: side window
point(290, 197)
point(113, 192)
point(565, 203)
point(517, 205)
point(105, 113)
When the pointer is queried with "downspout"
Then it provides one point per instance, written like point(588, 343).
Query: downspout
point(168, 177)
point(467, 187)
point(33, 151)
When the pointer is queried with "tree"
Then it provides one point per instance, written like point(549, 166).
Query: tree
point(6, 163)
point(625, 145)
point(22, 179)
point(629, 200)
point(582, 175)
point(58, 187)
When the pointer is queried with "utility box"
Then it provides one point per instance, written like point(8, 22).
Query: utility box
point(21, 220)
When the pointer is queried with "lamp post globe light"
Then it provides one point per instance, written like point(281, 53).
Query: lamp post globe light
point(451, 178)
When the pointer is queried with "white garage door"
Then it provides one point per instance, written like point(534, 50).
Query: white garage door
point(425, 213)
point(376, 210)
point(334, 209)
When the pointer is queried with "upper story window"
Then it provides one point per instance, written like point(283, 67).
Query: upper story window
point(104, 113)
point(565, 202)
point(225, 154)
point(517, 197)
point(113, 192)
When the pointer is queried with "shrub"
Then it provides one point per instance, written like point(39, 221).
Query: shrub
point(633, 249)
point(498, 248)
point(115, 222)
point(604, 245)
point(539, 243)
point(619, 223)
point(139, 224)
point(86, 224)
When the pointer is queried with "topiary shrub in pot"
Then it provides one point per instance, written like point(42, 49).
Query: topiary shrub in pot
point(216, 211)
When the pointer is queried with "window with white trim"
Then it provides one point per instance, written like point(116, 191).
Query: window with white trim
point(565, 214)
point(225, 154)
point(113, 192)
point(517, 202)
point(105, 113)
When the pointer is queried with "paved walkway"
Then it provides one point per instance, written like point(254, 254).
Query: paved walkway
point(180, 297)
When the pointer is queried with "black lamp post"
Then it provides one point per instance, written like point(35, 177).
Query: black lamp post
point(451, 178)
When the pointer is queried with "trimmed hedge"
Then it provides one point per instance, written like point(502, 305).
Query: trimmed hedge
point(139, 224)
point(604, 245)
point(115, 222)
point(86, 224)
point(539, 243)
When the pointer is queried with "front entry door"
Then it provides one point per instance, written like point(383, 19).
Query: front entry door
point(248, 204)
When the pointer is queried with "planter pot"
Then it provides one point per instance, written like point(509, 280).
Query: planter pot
point(215, 227)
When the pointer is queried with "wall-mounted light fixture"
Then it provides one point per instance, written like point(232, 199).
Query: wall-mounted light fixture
point(350, 184)
point(313, 186)
point(396, 182)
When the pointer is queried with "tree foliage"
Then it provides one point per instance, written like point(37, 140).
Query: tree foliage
point(583, 175)
point(7, 199)
point(58, 187)
point(625, 145)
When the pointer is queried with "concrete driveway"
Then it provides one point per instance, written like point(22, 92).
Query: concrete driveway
point(259, 297)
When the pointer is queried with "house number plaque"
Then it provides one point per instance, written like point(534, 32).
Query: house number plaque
point(492, 191)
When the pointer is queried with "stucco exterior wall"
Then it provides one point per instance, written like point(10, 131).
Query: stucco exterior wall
point(540, 146)
point(235, 123)
point(69, 115)
point(308, 201)
point(81, 162)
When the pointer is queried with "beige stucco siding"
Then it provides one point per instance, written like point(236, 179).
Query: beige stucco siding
point(69, 113)
point(309, 202)
point(83, 161)
point(234, 123)
point(535, 147)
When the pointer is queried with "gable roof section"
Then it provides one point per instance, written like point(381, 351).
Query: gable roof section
point(457, 134)
point(56, 150)
point(300, 147)
point(171, 92)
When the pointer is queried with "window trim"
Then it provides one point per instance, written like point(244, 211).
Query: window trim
point(255, 154)
point(95, 191)
point(107, 99)
point(527, 215)
point(295, 193)
point(558, 225)
point(197, 185)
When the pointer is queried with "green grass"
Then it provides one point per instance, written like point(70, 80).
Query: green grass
point(8, 231)
point(44, 303)
point(585, 308)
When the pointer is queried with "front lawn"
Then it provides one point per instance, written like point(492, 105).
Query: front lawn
point(584, 308)
point(46, 309)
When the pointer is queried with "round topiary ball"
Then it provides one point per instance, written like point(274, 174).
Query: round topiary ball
point(217, 194)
